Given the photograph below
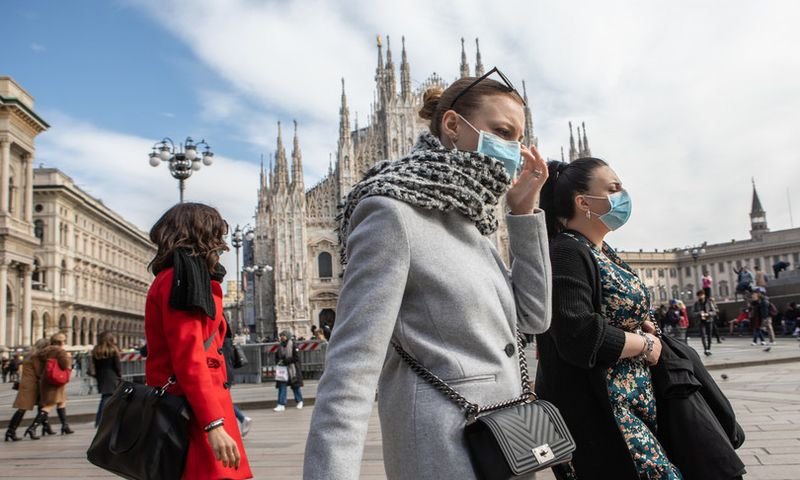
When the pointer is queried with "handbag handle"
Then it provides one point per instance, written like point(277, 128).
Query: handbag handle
point(473, 410)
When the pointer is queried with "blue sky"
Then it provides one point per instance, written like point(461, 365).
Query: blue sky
point(687, 100)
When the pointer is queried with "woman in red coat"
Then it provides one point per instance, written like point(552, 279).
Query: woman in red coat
point(184, 311)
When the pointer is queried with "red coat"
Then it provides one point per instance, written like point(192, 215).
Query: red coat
point(175, 346)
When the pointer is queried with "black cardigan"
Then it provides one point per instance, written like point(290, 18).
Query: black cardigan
point(574, 357)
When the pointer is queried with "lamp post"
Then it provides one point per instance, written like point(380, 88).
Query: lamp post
point(258, 270)
point(695, 253)
point(183, 160)
point(236, 240)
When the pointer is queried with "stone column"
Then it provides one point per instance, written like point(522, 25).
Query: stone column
point(5, 166)
point(27, 272)
point(28, 161)
point(3, 303)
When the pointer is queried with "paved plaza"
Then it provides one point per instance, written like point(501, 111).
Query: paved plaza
point(766, 396)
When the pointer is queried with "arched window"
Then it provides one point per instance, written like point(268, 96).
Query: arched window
point(675, 292)
point(724, 290)
point(325, 265)
point(38, 229)
point(38, 281)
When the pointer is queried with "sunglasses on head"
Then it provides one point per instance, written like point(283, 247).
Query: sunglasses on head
point(478, 80)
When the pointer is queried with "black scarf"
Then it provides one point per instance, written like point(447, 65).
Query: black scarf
point(434, 177)
point(191, 283)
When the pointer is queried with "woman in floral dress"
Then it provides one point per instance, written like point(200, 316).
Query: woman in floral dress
point(595, 359)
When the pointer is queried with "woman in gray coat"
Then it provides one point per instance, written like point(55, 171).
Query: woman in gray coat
point(421, 272)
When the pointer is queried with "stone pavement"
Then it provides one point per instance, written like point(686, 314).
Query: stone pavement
point(766, 397)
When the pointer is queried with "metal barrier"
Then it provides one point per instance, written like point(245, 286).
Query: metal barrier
point(261, 361)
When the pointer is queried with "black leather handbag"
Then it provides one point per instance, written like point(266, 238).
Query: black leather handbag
point(512, 438)
point(143, 432)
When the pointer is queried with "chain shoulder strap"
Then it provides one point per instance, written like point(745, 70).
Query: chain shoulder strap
point(472, 410)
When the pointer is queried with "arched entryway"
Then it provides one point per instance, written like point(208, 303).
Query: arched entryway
point(327, 318)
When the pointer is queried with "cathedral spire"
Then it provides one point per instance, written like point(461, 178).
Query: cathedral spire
point(587, 152)
point(344, 118)
point(297, 162)
point(380, 73)
point(405, 73)
point(464, 64)
point(529, 139)
point(562, 153)
point(389, 79)
point(573, 153)
point(281, 165)
point(271, 173)
point(262, 175)
point(478, 64)
point(580, 142)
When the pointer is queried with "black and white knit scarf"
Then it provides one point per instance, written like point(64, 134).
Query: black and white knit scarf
point(434, 177)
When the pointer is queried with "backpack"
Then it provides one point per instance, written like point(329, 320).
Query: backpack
point(773, 310)
point(54, 374)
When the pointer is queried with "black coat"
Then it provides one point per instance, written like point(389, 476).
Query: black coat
point(293, 362)
point(574, 357)
point(108, 373)
point(696, 423)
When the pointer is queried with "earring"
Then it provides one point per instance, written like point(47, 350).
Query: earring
point(589, 214)
point(454, 140)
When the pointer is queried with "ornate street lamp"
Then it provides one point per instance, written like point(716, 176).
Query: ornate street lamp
point(258, 270)
point(695, 253)
point(237, 237)
point(183, 159)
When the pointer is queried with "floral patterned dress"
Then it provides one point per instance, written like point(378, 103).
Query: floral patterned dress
point(625, 304)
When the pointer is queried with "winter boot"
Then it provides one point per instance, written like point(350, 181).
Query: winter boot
point(46, 429)
point(62, 415)
point(16, 419)
point(31, 430)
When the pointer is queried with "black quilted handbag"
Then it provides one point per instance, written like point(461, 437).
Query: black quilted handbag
point(512, 438)
point(143, 433)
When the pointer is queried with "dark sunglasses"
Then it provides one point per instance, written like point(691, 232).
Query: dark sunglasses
point(484, 77)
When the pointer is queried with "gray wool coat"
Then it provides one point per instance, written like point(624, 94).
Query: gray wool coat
point(432, 282)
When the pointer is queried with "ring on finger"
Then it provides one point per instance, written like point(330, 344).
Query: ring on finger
point(537, 173)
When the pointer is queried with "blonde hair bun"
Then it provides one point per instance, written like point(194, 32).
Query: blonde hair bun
point(430, 100)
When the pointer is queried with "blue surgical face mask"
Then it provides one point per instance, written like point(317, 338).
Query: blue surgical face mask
point(620, 210)
point(506, 151)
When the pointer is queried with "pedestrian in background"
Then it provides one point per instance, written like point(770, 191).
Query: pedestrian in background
point(704, 312)
point(761, 278)
point(707, 283)
point(106, 369)
point(230, 365)
point(185, 327)
point(52, 395)
point(744, 281)
point(27, 392)
point(790, 317)
point(759, 313)
point(288, 357)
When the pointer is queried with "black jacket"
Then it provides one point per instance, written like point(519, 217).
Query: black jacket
point(574, 357)
point(108, 373)
point(696, 423)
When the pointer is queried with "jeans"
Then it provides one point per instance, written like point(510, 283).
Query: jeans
point(298, 396)
point(238, 413)
point(103, 399)
point(757, 335)
point(767, 323)
point(705, 335)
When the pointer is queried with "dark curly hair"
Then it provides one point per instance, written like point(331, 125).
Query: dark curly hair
point(194, 227)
